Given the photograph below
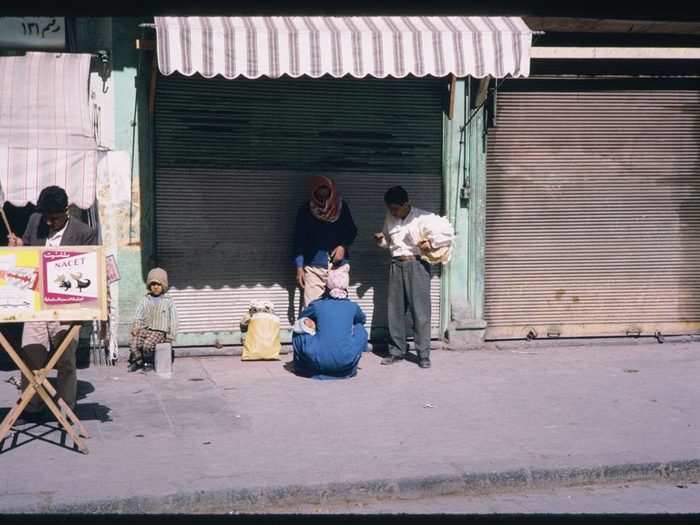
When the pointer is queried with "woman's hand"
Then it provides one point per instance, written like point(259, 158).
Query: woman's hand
point(300, 277)
point(338, 254)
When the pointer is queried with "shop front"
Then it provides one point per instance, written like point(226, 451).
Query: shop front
point(247, 109)
point(593, 209)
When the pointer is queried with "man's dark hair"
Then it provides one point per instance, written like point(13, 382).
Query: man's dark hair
point(396, 195)
point(52, 199)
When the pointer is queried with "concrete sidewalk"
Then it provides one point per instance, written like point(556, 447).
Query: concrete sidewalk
point(224, 435)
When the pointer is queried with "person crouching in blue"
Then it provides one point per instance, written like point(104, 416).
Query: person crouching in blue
point(329, 336)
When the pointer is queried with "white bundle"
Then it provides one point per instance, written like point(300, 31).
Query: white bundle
point(300, 328)
point(261, 306)
point(256, 309)
point(440, 233)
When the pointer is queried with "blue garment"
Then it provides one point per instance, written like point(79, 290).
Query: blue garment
point(335, 350)
point(314, 239)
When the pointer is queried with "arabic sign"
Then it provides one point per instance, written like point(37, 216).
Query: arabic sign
point(33, 32)
point(44, 283)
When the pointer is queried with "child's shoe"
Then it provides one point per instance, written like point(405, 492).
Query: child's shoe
point(136, 365)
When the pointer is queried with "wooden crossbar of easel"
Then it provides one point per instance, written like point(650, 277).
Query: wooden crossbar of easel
point(39, 384)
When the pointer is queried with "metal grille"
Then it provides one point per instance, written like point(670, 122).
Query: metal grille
point(233, 158)
point(593, 213)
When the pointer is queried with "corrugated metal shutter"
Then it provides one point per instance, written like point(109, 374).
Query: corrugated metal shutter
point(593, 213)
point(233, 158)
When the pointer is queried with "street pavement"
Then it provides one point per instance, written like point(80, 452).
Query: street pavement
point(223, 435)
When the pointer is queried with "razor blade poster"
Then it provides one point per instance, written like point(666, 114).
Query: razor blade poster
point(63, 284)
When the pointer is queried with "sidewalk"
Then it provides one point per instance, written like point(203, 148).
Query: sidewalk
point(224, 435)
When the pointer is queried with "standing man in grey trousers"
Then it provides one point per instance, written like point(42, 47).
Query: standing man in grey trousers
point(409, 278)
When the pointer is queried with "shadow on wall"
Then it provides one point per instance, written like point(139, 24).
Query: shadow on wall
point(235, 234)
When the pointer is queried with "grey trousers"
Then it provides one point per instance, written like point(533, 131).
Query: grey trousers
point(37, 338)
point(409, 291)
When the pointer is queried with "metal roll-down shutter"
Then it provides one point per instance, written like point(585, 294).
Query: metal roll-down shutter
point(593, 212)
point(233, 159)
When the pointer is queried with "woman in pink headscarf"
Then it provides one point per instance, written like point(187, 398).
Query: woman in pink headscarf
point(324, 231)
point(330, 336)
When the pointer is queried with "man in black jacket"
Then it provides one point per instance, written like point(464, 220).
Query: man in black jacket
point(52, 226)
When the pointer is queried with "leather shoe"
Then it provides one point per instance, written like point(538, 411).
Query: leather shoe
point(391, 360)
point(424, 362)
point(133, 367)
point(29, 418)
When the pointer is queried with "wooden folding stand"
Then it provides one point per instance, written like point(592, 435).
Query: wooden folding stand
point(92, 305)
point(39, 384)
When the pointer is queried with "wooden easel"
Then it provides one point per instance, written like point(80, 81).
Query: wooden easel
point(39, 384)
point(38, 379)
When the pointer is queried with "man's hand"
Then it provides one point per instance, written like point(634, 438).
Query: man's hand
point(13, 241)
point(300, 277)
point(379, 238)
point(425, 245)
point(338, 254)
point(310, 323)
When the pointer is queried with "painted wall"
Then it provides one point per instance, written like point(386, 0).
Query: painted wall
point(129, 163)
point(464, 170)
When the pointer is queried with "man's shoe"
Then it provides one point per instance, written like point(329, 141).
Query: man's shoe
point(424, 362)
point(133, 367)
point(29, 418)
point(391, 360)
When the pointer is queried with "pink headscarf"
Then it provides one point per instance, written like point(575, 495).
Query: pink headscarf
point(338, 282)
point(328, 210)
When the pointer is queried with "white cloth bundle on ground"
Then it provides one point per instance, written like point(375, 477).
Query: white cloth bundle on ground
point(440, 233)
point(260, 306)
point(300, 328)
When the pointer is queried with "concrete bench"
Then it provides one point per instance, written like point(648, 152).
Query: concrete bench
point(163, 359)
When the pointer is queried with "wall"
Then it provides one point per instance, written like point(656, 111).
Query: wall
point(131, 167)
point(464, 171)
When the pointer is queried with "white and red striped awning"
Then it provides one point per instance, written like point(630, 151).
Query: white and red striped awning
point(47, 134)
point(378, 46)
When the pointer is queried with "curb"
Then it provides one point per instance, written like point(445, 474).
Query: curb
point(286, 348)
point(246, 500)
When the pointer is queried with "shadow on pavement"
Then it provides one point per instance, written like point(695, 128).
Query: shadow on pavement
point(46, 424)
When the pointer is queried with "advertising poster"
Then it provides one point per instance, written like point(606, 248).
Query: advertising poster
point(52, 283)
point(19, 279)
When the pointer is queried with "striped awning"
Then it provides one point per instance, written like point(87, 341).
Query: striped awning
point(47, 133)
point(378, 46)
